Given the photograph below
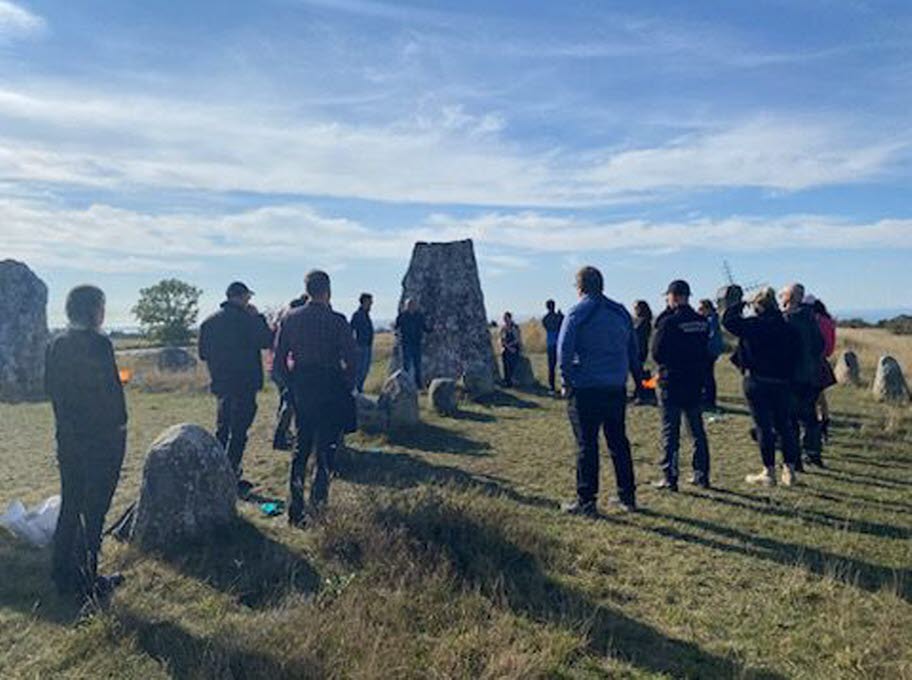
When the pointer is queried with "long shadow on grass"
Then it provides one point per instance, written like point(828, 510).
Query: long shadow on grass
point(436, 439)
point(852, 571)
point(246, 564)
point(188, 657)
point(843, 475)
point(484, 560)
point(26, 586)
point(506, 400)
point(404, 471)
point(865, 501)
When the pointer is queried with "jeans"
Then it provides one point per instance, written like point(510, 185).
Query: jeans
point(672, 413)
point(411, 361)
point(709, 387)
point(235, 416)
point(318, 431)
point(509, 366)
point(601, 409)
point(552, 367)
point(89, 472)
point(804, 415)
point(365, 355)
point(769, 403)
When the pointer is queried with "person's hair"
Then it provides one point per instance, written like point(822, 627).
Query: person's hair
point(707, 304)
point(550, 304)
point(764, 300)
point(796, 293)
point(365, 297)
point(83, 304)
point(642, 310)
point(589, 280)
point(317, 283)
point(820, 308)
point(508, 315)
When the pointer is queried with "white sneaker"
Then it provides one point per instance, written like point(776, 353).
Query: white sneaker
point(789, 476)
point(765, 478)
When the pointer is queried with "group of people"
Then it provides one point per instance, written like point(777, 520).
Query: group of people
point(320, 360)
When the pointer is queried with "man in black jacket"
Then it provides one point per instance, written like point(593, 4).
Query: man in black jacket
point(82, 380)
point(552, 322)
point(681, 350)
point(230, 343)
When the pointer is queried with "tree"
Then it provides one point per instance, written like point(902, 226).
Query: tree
point(167, 310)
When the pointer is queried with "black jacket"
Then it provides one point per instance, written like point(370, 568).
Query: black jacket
point(82, 380)
point(363, 328)
point(803, 320)
point(768, 347)
point(411, 326)
point(680, 347)
point(643, 329)
point(230, 342)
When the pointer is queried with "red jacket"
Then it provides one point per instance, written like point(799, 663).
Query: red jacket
point(828, 331)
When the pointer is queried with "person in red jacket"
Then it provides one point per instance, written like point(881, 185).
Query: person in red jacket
point(827, 326)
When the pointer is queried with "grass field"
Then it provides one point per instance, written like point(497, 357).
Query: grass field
point(444, 555)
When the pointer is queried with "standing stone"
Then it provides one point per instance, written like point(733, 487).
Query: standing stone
point(847, 369)
point(188, 490)
point(443, 279)
point(478, 381)
point(399, 398)
point(889, 383)
point(23, 332)
point(175, 359)
point(523, 376)
point(442, 396)
point(371, 417)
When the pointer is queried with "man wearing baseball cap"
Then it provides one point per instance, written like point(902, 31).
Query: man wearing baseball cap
point(230, 343)
point(681, 350)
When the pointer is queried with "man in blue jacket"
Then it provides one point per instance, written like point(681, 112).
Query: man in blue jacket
point(597, 348)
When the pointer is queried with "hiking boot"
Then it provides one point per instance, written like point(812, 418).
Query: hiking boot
point(666, 485)
point(789, 476)
point(699, 480)
point(765, 478)
point(581, 508)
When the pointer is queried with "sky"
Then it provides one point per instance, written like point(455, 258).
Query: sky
point(213, 141)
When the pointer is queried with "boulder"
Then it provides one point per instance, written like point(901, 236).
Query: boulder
point(442, 279)
point(371, 417)
point(478, 381)
point(175, 359)
point(847, 369)
point(442, 396)
point(523, 375)
point(889, 382)
point(23, 332)
point(188, 492)
point(399, 398)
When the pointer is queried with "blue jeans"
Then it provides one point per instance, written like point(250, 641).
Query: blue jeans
point(672, 414)
point(365, 355)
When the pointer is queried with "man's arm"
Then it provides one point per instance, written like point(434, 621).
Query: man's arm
point(262, 333)
point(733, 319)
point(660, 342)
point(280, 356)
point(203, 342)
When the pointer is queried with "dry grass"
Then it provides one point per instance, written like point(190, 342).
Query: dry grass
point(872, 343)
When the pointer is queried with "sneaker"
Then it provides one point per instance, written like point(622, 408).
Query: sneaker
point(623, 505)
point(666, 485)
point(699, 480)
point(765, 478)
point(789, 477)
point(581, 508)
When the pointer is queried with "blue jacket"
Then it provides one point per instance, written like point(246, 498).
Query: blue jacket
point(597, 346)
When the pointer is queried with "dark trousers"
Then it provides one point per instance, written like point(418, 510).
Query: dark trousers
point(89, 472)
point(804, 416)
point(673, 411)
point(592, 410)
point(319, 431)
point(411, 361)
point(365, 355)
point(709, 386)
point(770, 406)
point(509, 365)
point(552, 367)
point(235, 416)
point(284, 416)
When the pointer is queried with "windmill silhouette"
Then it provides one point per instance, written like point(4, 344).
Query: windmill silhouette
point(746, 287)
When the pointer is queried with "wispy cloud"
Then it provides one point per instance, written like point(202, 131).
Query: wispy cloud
point(16, 20)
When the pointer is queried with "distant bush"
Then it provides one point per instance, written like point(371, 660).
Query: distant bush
point(853, 323)
point(898, 325)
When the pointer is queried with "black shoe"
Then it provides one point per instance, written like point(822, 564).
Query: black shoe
point(244, 488)
point(106, 585)
point(584, 509)
point(627, 505)
point(699, 480)
point(297, 522)
point(281, 445)
point(815, 460)
point(666, 485)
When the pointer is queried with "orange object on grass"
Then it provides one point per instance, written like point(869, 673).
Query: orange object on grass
point(125, 375)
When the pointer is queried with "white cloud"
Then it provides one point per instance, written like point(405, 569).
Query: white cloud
point(15, 20)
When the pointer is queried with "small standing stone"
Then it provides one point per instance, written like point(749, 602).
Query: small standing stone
point(522, 373)
point(442, 396)
point(188, 490)
point(889, 382)
point(399, 398)
point(847, 370)
point(478, 380)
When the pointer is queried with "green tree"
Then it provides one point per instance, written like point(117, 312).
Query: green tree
point(167, 310)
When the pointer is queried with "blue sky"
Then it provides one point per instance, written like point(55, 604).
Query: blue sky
point(213, 141)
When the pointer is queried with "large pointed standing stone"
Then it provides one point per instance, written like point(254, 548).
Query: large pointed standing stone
point(23, 332)
point(443, 279)
point(890, 383)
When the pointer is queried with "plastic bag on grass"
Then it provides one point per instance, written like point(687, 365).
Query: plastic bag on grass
point(35, 525)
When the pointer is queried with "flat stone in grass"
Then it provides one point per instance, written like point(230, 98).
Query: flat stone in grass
point(189, 490)
point(848, 371)
point(442, 396)
point(175, 359)
point(889, 382)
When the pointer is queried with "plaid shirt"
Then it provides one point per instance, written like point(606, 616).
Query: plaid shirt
point(316, 337)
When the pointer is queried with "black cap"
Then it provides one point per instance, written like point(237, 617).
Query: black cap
point(678, 287)
point(237, 289)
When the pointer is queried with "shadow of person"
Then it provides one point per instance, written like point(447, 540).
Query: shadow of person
point(186, 656)
point(499, 398)
point(246, 564)
point(436, 439)
point(484, 560)
point(26, 584)
point(473, 416)
point(405, 471)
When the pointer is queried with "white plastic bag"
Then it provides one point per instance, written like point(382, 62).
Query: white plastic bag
point(36, 525)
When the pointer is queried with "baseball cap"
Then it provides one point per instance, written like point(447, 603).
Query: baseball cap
point(678, 287)
point(237, 289)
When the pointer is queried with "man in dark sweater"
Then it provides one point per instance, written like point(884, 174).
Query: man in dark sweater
point(363, 329)
point(411, 326)
point(681, 350)
point(231, 342)
point(552, 323)
point(83, 382)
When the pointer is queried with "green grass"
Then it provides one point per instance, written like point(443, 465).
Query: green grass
point(444, 555)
